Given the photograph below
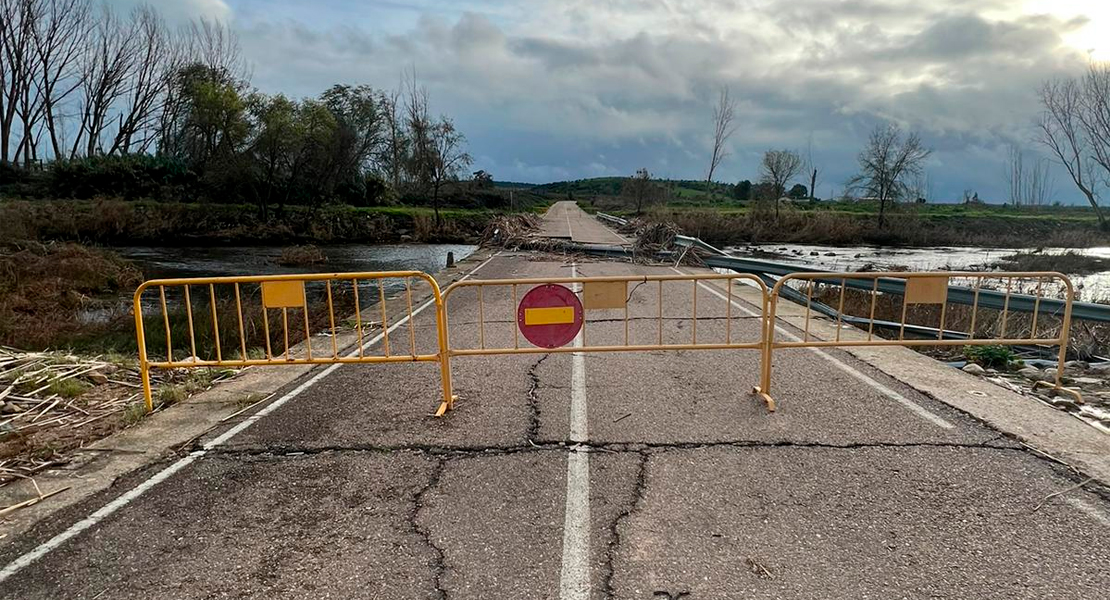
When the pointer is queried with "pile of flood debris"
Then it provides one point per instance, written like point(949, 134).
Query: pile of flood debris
point(52, 403)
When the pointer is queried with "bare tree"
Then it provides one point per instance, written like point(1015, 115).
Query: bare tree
point(17, 24)
point(105, 69)
point(395, 144)
point(887, 164)
point(812, 169)
point(60, 36)
point(216, 46)
point(778, 168)
point(723, 128)
point(448, 157)
point(1030, 184)
point(157, 59)
point(1065, 130)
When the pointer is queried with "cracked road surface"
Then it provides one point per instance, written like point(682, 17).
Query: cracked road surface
point(349, 489)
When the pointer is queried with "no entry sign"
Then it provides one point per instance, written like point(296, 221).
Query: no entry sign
point(549, 316)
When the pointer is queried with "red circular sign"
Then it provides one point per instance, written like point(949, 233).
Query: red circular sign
point(549, 316)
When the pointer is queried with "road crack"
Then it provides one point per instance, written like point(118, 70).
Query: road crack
point(534, 402)
point(632, 504)
point(438, 564)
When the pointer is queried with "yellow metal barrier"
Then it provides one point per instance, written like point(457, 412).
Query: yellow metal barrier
point(928, 291)
point(622, 300)
point(615, 295)
point(284, 295)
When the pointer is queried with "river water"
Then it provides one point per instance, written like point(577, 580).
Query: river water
point(852, 258)
point(216, 261)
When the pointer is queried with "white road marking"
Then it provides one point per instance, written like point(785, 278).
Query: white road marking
point(574, 580)
point(18, 564)
point(1095, 513)
point(914, 407)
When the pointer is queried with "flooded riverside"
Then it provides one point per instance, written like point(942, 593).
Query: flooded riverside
point(1091, 288)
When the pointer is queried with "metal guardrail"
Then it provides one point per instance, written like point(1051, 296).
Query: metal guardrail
point(719, 259)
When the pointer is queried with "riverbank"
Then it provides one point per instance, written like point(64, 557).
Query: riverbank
point(850, 224)
point(120, 223)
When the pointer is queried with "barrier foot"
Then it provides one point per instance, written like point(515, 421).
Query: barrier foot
point(446, 406)
point(767, 399)
point(1059, 390)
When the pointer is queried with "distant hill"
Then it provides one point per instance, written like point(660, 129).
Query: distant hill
point(514, 184)
point(611, 186)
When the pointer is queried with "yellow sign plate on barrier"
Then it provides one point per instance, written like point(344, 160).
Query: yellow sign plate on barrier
point(283, 294)
point(926, 290)
point(555, 315)
point(604, 294)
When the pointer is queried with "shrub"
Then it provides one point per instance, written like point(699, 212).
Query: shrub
point(994, 357)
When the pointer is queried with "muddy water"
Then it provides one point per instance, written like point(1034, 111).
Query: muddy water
point(166, 262)
point(161, 262)
point(852, 258)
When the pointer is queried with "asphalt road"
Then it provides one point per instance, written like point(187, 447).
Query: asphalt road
point(617, 475)
point(566, 221)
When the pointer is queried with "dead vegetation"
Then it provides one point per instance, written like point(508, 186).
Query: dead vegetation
point(1069, 263)
point(52, 403)
point(511, 231)
point(52, 294)
point(296, 256)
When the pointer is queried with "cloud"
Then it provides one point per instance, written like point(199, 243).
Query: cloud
point(180, 12)
point(543, 88)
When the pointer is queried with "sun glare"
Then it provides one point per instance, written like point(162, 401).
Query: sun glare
point(1094, 37)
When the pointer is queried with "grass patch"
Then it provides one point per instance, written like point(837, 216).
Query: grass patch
point(991, 357)
point(68, 388)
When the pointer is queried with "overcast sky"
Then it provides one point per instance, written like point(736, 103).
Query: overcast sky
point(565, 89)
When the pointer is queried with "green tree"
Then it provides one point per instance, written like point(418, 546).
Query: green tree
point(743, 191)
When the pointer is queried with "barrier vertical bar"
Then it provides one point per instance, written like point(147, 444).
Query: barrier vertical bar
point(516, 329)
point(285, 328)
point(809, 303)
point(189, 313)
point(266, 326)
point(358, 317)
point(840, 308)
point(412, 326)
point(695, 327)
point(1006, 308)
point(385, 319)
point(166, 321)
point(871, 319)
point(728, 311)
point(659, 319)
point(1036, 308)
point(307, 327)
point(140, 333)
point(215, 322)
point(331, 321)
point(242, 330)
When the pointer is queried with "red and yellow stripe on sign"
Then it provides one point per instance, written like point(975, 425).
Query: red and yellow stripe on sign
point(552, 315)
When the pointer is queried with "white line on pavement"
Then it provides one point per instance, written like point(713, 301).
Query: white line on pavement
point(574, 581)
point(916, 408)
point(16, 565)
point(1095, 513)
